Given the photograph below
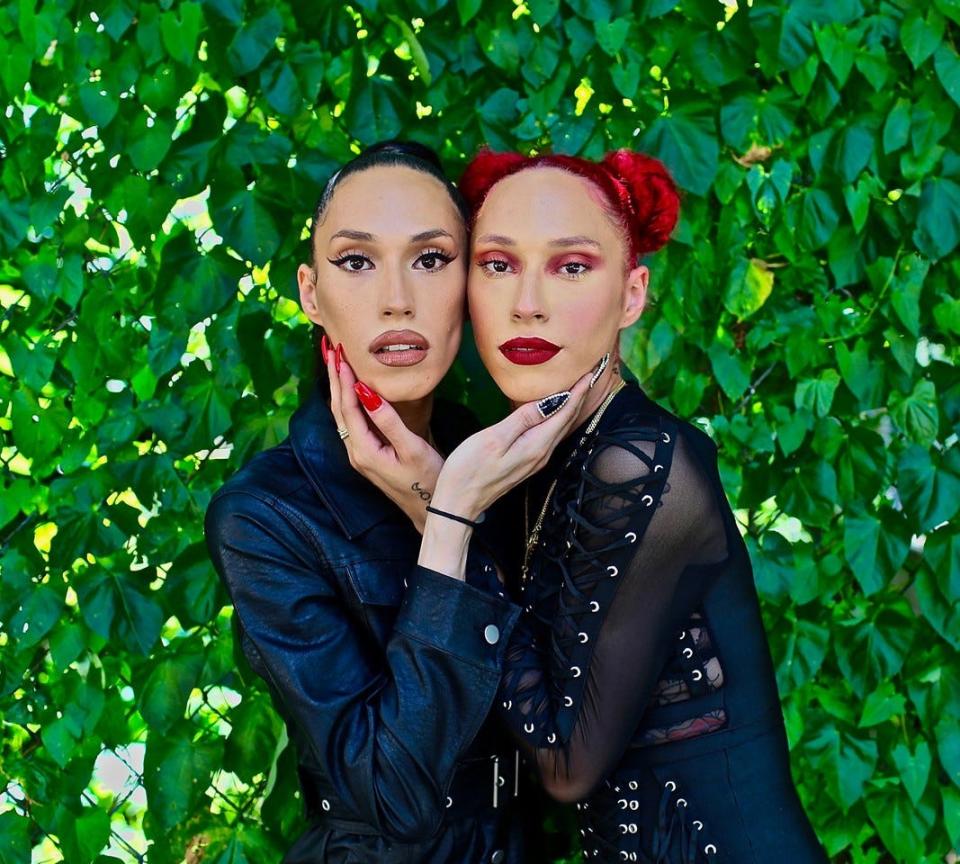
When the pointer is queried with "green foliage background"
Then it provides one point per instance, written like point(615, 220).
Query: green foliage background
point(159, 165)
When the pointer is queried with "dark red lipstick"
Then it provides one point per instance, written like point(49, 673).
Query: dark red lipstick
point(528, 351)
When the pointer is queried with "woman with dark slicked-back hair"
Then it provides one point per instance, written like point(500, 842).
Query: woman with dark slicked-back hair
point(383, 673)
point(638, 679)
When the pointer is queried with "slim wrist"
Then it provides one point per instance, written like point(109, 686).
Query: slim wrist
point(444, 546)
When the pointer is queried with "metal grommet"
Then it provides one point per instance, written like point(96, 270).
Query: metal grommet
point(634, 805)
point(594, 606)
point(697, 675)
point(325, 804)
point(584, 638)
point(622, 803)
point(623, 828)
point(709, 849)
point(449, 802)
point(698, 824)
point(633, 784)
point(632, 828)
point(688, 652)
point(568, 701)
point(576, 671)
point(631, 536)
point(613, 571)
point(671, 785)
point(528, 727)
point(657, 468)
point(624, 856)
point(681, 802)
point(647, 500)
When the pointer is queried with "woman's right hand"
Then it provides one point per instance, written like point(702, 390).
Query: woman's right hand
point(491, 462)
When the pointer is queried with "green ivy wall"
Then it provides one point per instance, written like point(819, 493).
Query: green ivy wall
point(159, 163)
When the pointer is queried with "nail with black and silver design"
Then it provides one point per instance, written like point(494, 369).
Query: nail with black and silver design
point(551, 404)
point(604, 362)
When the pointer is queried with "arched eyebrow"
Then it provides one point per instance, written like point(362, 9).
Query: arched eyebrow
point(366, 236)
point(562, 242)
point(350, 234)
point(498, 239)
point(579, 240)
point(432, 234)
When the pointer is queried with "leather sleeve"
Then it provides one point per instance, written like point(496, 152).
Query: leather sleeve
point(389, 726)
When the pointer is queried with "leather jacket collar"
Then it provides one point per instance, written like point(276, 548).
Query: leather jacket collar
point(355, 503)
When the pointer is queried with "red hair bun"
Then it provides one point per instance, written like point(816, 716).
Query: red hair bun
point(638, 189)
point(656, 201)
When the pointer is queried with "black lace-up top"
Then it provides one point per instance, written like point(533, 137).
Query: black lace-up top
point(639, 678)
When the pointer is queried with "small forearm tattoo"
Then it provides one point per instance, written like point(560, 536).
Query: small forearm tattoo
point(423, 493)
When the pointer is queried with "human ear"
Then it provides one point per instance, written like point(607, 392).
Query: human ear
point(634, 295)
point(307, 285)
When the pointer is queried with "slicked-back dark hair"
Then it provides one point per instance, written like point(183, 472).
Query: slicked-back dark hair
point(406, 154)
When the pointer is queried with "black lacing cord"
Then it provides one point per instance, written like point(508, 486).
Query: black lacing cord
point(574, 598)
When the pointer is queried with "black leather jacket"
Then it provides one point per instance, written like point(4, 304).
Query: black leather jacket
point(385, 685)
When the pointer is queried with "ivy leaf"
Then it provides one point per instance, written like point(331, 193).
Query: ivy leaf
point(248, 226)
point(938, 222)
point(372, 113)
point(951, 812)
point(92, 831)
point(818, 218)
point(687, 143)
point(612, 34)
point(468, 9)
point(914, 768)
point(816, 394)
point(948, 748)
point(732, 373)
point(861, 534)
point(902, 827)
point(920, 36)
point(164, 696)
point(749, 287)
point(882, 704)
point(918, 415)
point(947, 64)
point(896, 130)
point(905, 300)
point(176, 774)
point(180, 30)
point(251, 43)
point(99, 103)
point(149, 142)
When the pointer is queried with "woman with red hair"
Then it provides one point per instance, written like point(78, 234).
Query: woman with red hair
point(638, 680)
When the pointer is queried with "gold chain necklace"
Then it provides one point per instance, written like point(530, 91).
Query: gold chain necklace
point(533, 537)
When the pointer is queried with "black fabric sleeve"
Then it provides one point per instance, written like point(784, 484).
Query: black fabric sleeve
point(622, 544)
point(388, 726)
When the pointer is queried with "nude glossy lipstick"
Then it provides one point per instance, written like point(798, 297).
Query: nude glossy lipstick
point(400, 348)
point(528, 351)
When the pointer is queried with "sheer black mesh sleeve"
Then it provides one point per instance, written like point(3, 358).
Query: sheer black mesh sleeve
point(617, 571)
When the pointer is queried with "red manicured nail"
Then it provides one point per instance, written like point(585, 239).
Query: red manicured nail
point(324, 347)
point(371, 401)
point(338, 358)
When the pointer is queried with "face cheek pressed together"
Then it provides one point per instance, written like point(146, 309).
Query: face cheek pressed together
point(548, 286)
point(389, 280)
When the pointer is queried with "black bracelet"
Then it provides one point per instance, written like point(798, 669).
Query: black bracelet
point(456, 518)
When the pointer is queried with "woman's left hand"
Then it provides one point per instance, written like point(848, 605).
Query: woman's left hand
point(400, 463)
